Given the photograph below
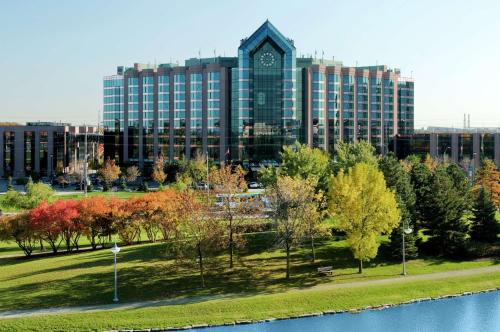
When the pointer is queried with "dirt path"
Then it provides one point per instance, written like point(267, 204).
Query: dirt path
point(146, 304)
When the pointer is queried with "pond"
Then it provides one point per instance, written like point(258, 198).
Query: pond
point(479, 312)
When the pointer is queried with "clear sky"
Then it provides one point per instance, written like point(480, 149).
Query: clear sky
point(53, 54)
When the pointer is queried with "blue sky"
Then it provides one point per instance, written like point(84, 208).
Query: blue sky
point(53, 54)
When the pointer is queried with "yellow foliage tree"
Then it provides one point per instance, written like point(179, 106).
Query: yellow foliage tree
point(488, 177)
point(365, 209)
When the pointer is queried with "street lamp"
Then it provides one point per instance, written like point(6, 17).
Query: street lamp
point(115, 250)
point(404, 230)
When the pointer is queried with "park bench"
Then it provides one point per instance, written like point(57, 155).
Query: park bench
point(326, 270)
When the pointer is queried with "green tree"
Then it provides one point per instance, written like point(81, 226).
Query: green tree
point(399, 181)
point(447, 203)
point(421, 179)
point(484, 224)
point(193, 170)
point(365, 209)
point(299, 160)
point(349, 154)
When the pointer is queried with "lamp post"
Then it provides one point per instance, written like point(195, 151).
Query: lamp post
point(404, 231)
point(115, 250)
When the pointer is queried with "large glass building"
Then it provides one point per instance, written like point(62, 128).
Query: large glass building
point(246, 108)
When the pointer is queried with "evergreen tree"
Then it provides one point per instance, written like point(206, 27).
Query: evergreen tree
point(447, 204)
point(421, 178)
point(399, 181)
point(484, 224)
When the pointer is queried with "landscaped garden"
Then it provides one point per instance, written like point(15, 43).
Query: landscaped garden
point(236, 255)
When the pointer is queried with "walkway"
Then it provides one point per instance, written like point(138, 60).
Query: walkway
point(146, 304)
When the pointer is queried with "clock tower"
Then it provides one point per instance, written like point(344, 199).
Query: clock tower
point(265, 118)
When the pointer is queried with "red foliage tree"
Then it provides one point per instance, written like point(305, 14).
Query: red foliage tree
point(57, 222)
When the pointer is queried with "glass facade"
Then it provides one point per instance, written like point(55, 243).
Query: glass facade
point(246, 108)
point(318, 109)
point(148, 118)
point(179, 116)
point(113, 116)
point(348, 107)
point(406, 107)
point(164, 115)
point(333, 108)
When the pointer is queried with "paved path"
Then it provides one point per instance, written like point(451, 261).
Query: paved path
point(146, 304)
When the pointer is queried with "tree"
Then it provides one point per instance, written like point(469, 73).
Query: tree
point(65, 214)
point(109, 173)
point(447, 202)
point(95, 217)
point(17, 227)
point(57, 222)
point(365, 209)
point(299, 160)
point(159, 170)
point(484, 224)
point(488, 178)
point(312, 214)
point(398, 180)
point(132, 173)
point(201, 234)
point(421, 179)
point(289, 198)
point(159, 213)
point(127, 220)
point(228, 184)
point(42, 221)
point(193, 171)
point(349, 154)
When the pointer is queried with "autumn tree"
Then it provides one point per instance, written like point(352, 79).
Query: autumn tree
point(365, 209)
point(109, 173)
point(488, 178)
point(158, 173)
point(42, 221)
point(132, 173)
point(18, 228)
point(95, 216)
point(289, 198)
point(126, 219)
point(485, 226)
point(228, 183)
point(57, 222)
point(200, 233)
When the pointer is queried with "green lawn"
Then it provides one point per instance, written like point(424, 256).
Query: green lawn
point(253, 307)
point(149, 272)
point(79, 195)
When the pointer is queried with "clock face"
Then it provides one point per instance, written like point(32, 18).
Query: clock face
point(267, 59)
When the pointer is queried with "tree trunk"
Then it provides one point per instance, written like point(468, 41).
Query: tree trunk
point(313, 249)
point(360, 267)
point(231, 243)
point(41, 245)
point(287, 261)
point(200, 261)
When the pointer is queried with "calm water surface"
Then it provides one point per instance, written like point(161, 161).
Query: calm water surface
point(479, 312)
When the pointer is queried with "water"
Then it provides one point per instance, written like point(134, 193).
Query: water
point(480, 312)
